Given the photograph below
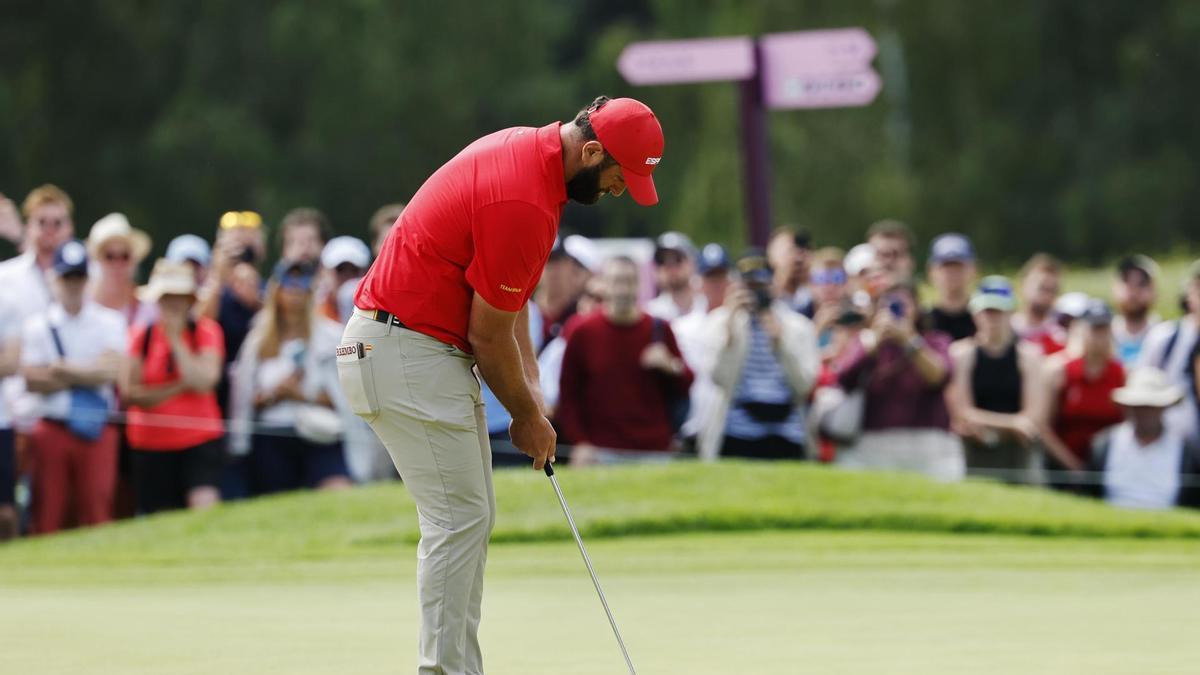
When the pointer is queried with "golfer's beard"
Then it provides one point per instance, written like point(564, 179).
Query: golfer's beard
point(584, 187)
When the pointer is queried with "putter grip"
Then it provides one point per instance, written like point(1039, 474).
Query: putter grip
point(548, 468)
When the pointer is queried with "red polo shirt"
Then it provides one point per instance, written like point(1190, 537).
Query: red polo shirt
point(483, 223)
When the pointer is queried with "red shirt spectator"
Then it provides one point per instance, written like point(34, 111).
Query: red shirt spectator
point(608, 399)
point(1085, 405)
point(184, 420)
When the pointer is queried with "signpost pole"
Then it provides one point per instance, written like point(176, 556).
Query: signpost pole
point(756, 161)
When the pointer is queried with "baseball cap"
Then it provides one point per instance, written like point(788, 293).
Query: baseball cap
point(71, 258)
point(345, 249)
point(673, 241)
point(859, 259)
point(289, 274)
point(994, 292)
point(580, 249)
point(1139, 262)
point(951, 248)
point(1072, 304)
point(713, 257)
point(753, 267)
point(630, 132)
point(1097, 313)
point(187, 247)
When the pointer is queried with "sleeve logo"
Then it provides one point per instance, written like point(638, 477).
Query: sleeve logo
point(510, 289)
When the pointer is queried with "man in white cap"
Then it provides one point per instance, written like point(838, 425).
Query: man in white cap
point(193, 251)
point(1145, 462)
point(344, 261)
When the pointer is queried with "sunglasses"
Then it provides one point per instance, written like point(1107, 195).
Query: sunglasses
point(234, 219)
point(829, 277)
point(118, 257)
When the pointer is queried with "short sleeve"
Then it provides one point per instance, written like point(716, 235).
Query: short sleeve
point(210, 338)
point(116, 335)
point(137, 335)
point(36, 345)
point(512, 241)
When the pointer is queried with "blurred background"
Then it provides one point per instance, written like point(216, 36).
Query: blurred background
point(1027, 125)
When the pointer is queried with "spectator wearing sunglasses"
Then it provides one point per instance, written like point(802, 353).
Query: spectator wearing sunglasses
point(830, 293)
point(951, 272)
point(116, 249)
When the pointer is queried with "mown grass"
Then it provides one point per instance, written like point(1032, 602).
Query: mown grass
point(607, 503)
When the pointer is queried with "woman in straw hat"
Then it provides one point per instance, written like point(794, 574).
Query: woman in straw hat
point(1145, 462)
point(117, 249)
point(174, 426)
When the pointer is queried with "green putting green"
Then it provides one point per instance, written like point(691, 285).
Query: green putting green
point(811, 571)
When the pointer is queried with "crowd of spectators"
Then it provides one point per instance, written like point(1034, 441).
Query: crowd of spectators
point(213, 382)
point(207, 383)
point(805, 353)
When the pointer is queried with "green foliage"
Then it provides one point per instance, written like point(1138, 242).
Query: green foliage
point(1037, 124)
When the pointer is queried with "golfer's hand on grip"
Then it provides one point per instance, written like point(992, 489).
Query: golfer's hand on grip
point(535, 437)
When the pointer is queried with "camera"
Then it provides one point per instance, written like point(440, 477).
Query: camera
point(762, 298)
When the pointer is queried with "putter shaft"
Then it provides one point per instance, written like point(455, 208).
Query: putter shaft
point(591, 570)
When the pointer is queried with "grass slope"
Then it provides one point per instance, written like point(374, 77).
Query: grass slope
point(611, 502)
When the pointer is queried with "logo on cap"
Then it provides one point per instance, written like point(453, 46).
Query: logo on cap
point(653, 160)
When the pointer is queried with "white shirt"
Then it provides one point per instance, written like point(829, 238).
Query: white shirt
point(91, 333)
point(1142, 476)
point(692, 337)
point(1183, 416)
point(24, 292)
point(10, 331)
point(664, 306)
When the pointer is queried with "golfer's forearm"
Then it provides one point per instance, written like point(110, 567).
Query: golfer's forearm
point(501, 365)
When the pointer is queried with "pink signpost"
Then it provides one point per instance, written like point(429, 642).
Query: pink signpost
point(819, 69)
point(679, 61)
point(804, 69)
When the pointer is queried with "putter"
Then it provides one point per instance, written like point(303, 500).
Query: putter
point(588, 561)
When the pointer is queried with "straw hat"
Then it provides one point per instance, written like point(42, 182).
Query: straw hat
point(168, 278)
point(116, 226)
point(1148, 387)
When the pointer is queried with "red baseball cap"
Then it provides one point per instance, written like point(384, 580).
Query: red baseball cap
point(630, 132)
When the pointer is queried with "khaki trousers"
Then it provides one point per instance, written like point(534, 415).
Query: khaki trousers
point(421, 397)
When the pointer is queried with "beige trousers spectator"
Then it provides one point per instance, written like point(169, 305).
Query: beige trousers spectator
point(421, 397)
point(937, 454)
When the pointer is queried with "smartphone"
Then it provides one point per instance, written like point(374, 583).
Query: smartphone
point(896, 307)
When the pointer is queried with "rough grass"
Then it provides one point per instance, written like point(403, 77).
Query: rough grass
point(607, 503)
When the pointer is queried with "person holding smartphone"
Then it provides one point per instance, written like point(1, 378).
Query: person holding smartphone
point(765, 361)
point(903, 369)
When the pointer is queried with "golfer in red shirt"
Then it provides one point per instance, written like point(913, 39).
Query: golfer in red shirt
point(449, 292)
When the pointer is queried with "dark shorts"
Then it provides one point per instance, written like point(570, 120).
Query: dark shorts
point(162, 479)
point(8, 467)
point(280, 462)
